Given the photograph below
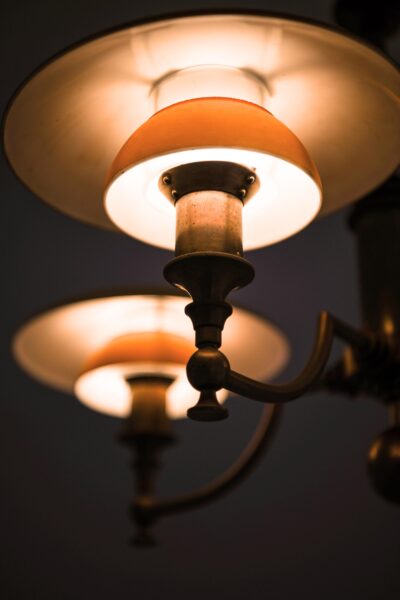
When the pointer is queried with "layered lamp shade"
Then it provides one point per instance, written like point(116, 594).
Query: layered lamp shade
point(94, 347)
point(312, 112)
point(214, 129)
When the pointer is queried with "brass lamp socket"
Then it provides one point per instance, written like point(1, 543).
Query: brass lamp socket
point(208, 197)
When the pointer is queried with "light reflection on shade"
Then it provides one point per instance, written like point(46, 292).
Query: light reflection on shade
point(55, 346)
point(203, 81)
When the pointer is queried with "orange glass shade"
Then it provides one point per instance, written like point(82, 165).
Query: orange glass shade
point(208, 123)
point(289, 196)
point(89, 347)
point(152, 347)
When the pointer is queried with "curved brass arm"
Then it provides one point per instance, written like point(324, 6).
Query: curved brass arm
point(148, 509)
point(328, 327)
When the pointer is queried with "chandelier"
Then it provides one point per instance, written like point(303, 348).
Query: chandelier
point(210, 135)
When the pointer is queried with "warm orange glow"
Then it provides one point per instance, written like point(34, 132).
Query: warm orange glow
point(394, 451)
point(150, 347)
point(102, 383)
point(388, 325)
point(57, 346)
point(289, 195)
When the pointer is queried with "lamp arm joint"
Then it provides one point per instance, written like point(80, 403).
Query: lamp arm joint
point(150, 509)
point(328, 328)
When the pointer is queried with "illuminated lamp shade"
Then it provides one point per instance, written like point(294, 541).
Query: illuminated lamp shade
point(214, 129)
point(106, 374)
point(339, 97)
point(92, 348)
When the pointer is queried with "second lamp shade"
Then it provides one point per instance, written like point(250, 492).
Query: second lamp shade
point(85, 347)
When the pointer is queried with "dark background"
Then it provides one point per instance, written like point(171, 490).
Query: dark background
point(305, 525)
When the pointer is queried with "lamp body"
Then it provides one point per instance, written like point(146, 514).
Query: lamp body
point(376, 222)
point(384, 464)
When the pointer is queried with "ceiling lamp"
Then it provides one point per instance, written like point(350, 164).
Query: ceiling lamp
point(217, 133)
point(125, 355)
point(336, 95)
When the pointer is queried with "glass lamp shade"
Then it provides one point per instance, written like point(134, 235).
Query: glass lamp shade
point(91, 347)
point(220, 129)
point(338, 96)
